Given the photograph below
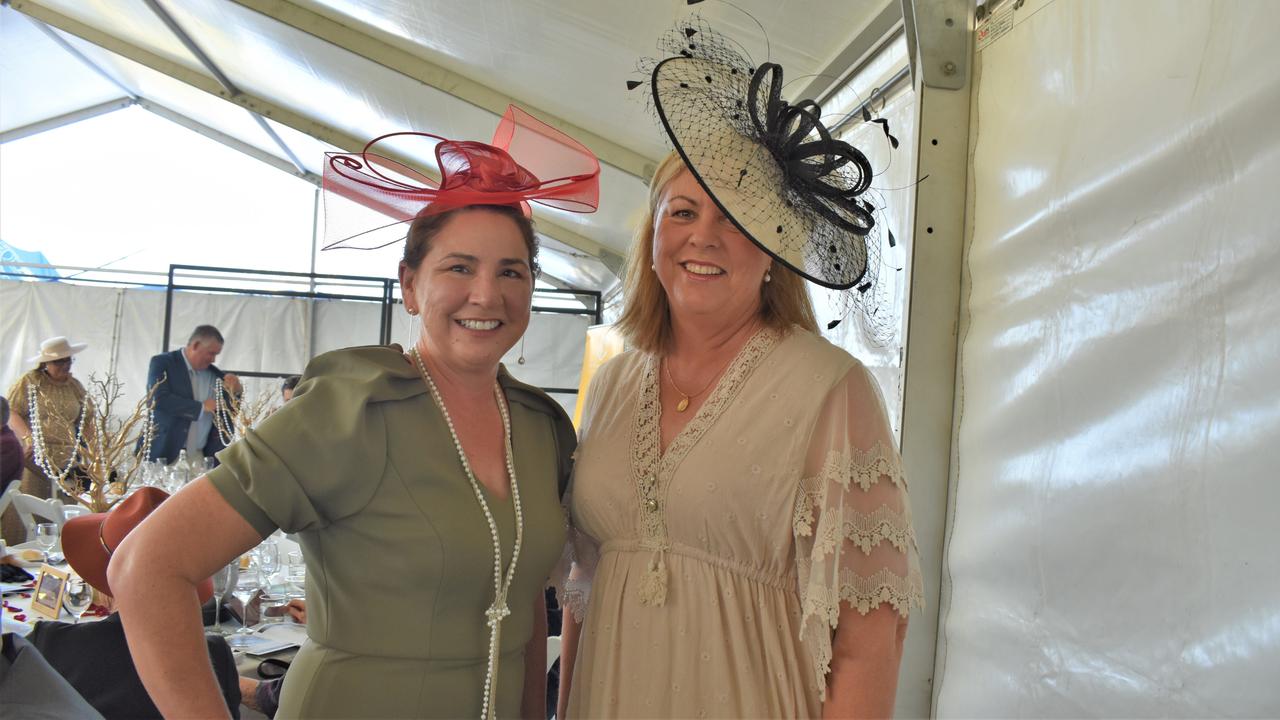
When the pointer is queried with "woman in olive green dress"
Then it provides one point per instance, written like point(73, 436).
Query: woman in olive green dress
point(424, 488)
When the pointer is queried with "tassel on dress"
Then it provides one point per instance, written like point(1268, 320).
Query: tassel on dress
point(653, 584)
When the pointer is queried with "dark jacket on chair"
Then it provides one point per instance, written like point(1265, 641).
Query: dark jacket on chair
point(176, 408)
point(94, 658)
point(32, 690)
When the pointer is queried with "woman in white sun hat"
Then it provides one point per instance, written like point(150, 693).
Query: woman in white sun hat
point(58, 401)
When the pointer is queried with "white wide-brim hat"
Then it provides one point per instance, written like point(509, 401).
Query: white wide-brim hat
point(56, 348)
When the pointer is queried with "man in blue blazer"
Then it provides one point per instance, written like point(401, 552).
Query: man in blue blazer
point(184, 402)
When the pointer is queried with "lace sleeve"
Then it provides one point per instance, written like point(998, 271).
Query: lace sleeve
point(852, 522)
point(572, 575)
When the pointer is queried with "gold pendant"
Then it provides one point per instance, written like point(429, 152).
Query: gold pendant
point(682, 405)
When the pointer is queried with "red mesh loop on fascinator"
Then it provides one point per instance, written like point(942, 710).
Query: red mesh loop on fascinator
point(528, 161)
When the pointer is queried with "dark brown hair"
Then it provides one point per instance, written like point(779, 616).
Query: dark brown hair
point(425, 227)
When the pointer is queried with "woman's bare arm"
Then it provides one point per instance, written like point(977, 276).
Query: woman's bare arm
point(866, 653)
point(570, 629)
point(154, 574)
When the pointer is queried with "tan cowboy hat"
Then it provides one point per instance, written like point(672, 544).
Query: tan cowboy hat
point(89, 541)
point(56, 348)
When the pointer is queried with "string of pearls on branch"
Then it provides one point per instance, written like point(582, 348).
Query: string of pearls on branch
point(41, 454)
point(223, 414)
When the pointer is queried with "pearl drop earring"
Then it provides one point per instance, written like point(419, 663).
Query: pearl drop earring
point(767, 276)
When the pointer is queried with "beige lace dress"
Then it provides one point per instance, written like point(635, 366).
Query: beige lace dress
point(710, 577)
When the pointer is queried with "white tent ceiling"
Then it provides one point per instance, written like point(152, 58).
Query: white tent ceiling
point(287, 80)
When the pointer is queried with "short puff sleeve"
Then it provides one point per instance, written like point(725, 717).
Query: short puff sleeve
point(852, 523)
point(321, 457)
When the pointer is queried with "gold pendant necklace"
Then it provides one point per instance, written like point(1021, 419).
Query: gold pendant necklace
point(686, 397)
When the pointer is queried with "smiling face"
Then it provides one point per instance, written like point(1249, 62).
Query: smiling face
point(708, 268)
point(473, 289)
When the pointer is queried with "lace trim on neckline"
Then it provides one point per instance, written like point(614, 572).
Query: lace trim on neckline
point(652, 469)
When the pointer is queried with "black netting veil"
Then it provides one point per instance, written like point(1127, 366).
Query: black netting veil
point(772, 167)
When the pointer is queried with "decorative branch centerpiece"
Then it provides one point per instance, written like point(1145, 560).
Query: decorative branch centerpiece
point(103, 462)
point(234, 414)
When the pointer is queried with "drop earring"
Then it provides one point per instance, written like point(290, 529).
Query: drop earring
point(767, 276)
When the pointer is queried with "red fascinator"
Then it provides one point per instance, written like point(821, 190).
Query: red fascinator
point(527, 161)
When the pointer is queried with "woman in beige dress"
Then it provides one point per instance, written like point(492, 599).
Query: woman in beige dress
point(60, 403)
point(743, 534)
point(424, 486)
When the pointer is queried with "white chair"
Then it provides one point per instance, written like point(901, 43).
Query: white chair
point(553, 650)
point(30, 507)
point(7, 498)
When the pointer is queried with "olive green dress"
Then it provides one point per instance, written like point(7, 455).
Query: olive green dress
point(362, 467)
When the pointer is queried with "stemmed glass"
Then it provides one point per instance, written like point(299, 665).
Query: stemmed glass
point(221, 584)
point(267, 555)
point(47, 537)
point(78, 596)
point(247, 585)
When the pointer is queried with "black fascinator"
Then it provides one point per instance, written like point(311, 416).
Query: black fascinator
point(771, 166)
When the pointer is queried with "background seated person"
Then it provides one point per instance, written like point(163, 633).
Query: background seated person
point(93, 656)
point(286, 388)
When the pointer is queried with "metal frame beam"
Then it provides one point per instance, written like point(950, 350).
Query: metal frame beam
point(194, 48)
point(234, 143)
point(941, 33)
point(267, 109)
point(65, 119)
point(429, 73)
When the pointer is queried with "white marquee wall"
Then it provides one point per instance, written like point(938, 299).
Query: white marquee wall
point(264, 334)
point(1112, 551)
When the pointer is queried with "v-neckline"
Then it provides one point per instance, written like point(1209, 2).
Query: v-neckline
point(647, 454)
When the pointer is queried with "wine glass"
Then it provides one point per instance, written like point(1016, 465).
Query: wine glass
point(267, 556)
point(221, 584)
point(47, 537)
point(247, 585)
point(78, 596)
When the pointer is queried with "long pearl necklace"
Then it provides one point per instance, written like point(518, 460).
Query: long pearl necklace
point(223, 421)
point(41, 456)
point(501, 584)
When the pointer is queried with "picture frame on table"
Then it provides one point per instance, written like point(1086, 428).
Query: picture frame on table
point(47, 595)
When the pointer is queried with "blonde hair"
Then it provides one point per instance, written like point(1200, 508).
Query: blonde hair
point(646, 316)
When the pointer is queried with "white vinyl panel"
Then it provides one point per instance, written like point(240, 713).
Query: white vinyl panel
point(1112, 549)
point(139, 335)
point(552, 348)
point(31, 312)
point(263, 334)
point(339, 324)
